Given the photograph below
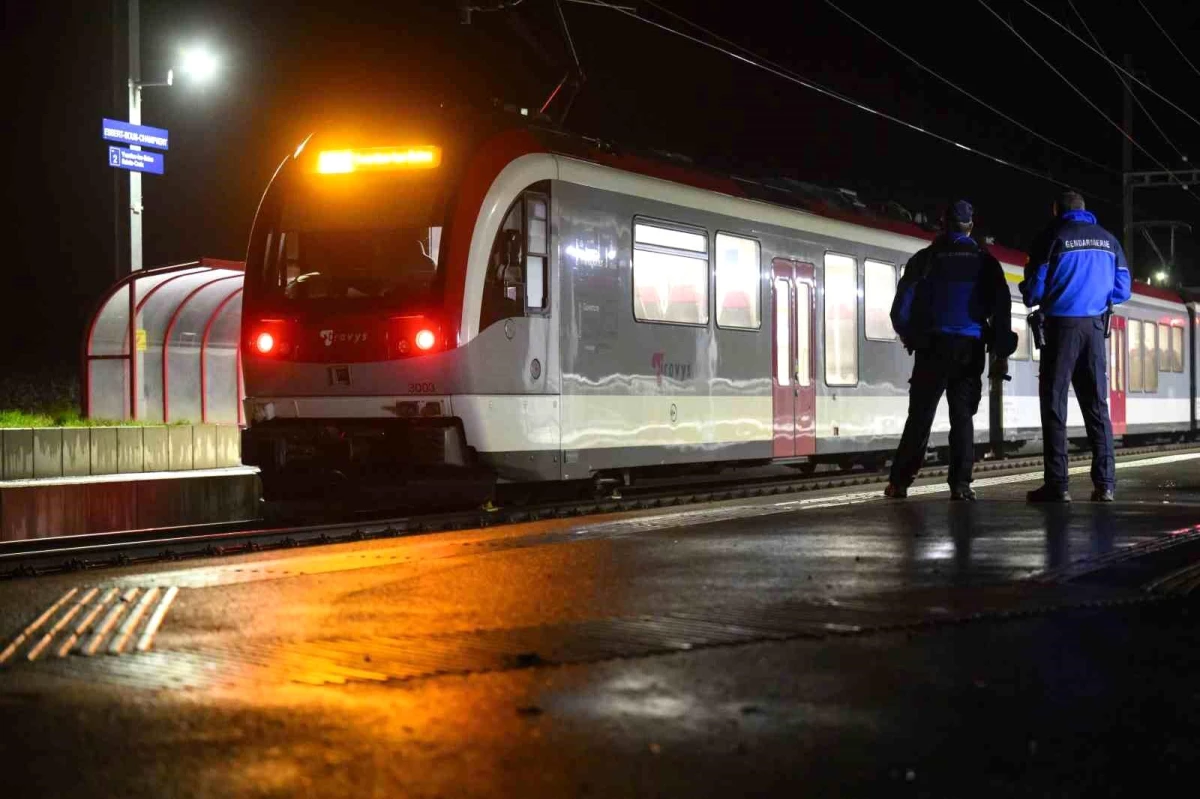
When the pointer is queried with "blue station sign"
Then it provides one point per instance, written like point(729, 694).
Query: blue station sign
point(141, 135)
point(136, 160)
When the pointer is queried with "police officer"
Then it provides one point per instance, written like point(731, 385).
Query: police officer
point(1076, 273)
point(952, 302)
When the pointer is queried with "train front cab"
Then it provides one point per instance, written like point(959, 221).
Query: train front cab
point(350, 358)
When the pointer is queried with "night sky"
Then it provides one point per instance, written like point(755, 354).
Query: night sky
point(290, 68)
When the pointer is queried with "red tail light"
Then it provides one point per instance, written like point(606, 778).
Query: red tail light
point(272, 338)
point(425, 339)
point(414, 335)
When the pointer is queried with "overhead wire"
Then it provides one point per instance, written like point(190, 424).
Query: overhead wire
point(1088, 100)
point(977, 99)
point(1168, 36)
point(1129, 88)
point(1114, 64)
point(753, 59)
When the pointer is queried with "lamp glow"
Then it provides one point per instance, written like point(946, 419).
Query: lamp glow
point(340, 162)
point(264, 343)
point(199, 64)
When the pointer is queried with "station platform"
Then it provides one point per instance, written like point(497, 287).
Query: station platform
point(830, 643)
point(66, 506)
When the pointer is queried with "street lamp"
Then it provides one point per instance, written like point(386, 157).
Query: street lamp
point(1161, 276)
point(198, 64)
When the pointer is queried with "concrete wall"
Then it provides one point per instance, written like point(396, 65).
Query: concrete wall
point(49, 452)
point(64, 507)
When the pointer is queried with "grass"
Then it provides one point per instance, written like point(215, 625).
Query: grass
point(66, 417)
point(49, 398)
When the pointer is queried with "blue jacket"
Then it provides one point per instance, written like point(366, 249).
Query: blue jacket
point(1075, 268)
point(954, 286)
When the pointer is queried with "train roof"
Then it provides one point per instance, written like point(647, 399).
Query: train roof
point(841, 204)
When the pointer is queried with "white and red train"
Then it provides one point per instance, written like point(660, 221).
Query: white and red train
point(527, 306)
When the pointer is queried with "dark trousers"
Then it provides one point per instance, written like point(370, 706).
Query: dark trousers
point(950, 365)
point(1075, 356)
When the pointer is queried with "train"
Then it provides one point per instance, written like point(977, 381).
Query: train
point(434, 307)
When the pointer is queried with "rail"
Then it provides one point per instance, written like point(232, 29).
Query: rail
point(76, 553)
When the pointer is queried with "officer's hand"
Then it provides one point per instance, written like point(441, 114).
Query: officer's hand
point(1004, 344)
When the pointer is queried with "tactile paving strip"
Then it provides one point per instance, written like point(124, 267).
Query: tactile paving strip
point(338, 661)
point(91, 621)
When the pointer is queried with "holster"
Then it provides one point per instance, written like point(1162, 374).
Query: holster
point(1037, 328)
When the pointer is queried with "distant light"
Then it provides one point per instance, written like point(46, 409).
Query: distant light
point(425, 340)
point(335, 162)
point(264, 343)
point(199, 64)
point(303, 144)
point(170, 77)
point(1160, 276)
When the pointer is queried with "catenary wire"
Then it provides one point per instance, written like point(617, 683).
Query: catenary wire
point(1129, 88)
point(974, 97)
point(1168, 36)
point(1115, 65)
point(754, 60)
point(1088, 100)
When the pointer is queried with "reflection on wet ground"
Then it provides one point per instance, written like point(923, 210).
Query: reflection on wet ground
point(844, 639)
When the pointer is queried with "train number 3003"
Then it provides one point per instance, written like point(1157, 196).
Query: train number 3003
point(422, 388)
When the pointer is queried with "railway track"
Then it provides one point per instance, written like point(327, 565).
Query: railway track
point(77, 553)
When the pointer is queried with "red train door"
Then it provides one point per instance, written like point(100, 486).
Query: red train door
point(792, 370)
point(1118, 355)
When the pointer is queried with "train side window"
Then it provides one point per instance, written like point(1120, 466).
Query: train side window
point(1136, 368)
point(841, 320)
point(1149, 341)
point(783, 374)
point(737, 282)
point(1164, 348)
point(803, 333)
point(537, 239)
point(503, 284)
point(670, 274)
point(1020, 326)
point(879, 289)
point(516, 283)
point(1122, 364)
point(1112, 361)
point(1176, 349)
point(1034, 352)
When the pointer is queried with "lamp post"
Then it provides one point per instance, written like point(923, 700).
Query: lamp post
point(199, 65)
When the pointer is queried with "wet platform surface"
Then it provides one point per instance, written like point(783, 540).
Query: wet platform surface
point(830, 643)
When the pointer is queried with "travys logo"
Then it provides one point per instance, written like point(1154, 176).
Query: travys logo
point(331, 336)
point(672, 369)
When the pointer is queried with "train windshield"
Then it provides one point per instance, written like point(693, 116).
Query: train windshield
point(361, 245)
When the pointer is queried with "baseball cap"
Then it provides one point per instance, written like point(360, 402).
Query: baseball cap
point(961, 211)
